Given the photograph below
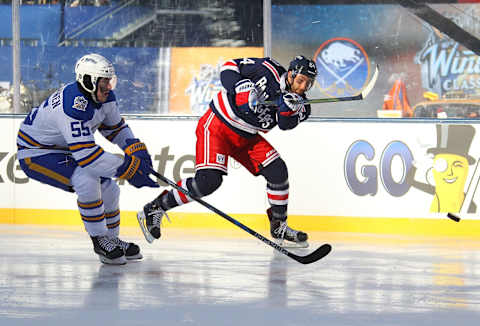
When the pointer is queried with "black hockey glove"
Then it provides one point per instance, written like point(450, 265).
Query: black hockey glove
point(136, 172)
point(136, 148)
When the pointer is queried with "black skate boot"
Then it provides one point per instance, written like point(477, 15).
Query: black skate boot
point(131, 250)
point(281, 231)
point(108, 251)
point(150, 218)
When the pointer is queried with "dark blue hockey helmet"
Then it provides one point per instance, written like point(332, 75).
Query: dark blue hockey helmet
point(304, 66)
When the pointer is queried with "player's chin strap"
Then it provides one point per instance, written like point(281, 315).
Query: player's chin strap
point(321, 252)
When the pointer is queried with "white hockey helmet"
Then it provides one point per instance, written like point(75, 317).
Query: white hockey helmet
point(90, 68)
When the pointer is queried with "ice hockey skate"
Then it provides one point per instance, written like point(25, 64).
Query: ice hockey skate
point(284, 235)
point(108, 251)
point(150, 219)
point(131, 250)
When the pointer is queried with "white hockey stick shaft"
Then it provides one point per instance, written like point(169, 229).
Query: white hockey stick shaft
point(360, 96)
point(471, 190)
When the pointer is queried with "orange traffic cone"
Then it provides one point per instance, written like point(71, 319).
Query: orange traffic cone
point(396, 99)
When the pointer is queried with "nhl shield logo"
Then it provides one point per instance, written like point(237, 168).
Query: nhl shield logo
point(80, 103)
point(343, 67)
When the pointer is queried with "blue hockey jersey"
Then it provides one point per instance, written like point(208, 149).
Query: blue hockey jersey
point(269, 78)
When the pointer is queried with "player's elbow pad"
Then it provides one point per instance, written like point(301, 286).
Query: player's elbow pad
point(287, 123)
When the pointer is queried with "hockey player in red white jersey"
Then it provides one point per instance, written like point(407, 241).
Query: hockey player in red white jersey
point(232, 127)
point(56, 146)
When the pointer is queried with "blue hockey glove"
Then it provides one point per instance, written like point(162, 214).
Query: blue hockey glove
point(136, 148)
point(246, 94)
point(136, 172)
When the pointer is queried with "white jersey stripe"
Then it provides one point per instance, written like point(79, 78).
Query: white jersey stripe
point(221, 103)
point(270, 159)
point(278, 202)
point(223, 107)
point(206, 137)
point(230, 65)
point(272, 70)
point(211, 166)
point(278, 192)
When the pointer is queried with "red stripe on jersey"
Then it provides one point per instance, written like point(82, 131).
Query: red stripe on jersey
point(181, 194)
point(288, 113)
point(230, 63)
point(273, 70)
point(222, 106)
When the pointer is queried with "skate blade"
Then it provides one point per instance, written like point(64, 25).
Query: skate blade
point(134, 257)
point(116, 261)
point(289, 244)
point(142, 222)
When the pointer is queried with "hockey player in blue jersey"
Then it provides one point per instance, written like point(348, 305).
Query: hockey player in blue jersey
point(231, 127)
point(56, 146)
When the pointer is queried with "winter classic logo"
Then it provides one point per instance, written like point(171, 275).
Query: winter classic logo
point(446, 65)
point(343, 67)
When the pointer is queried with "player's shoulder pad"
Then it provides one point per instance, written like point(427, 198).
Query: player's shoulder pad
point(76, 105)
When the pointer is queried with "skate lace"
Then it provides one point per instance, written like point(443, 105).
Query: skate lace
point(120, 242)
point(283, 229)
point(106, 243)
point(157, 215)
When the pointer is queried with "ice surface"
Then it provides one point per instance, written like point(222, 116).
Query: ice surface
point(52, 277)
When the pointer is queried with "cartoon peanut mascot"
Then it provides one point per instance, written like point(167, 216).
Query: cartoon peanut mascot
point(450, 167)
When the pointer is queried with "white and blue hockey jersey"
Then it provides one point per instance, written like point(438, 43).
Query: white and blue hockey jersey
point(66, 123)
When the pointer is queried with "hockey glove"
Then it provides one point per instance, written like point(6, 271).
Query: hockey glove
point(246, 94)
point(136, 148)
point(136, 172)
point(291, 111)
point(291, 104)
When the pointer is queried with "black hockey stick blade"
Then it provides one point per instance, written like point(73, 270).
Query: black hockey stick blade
point(318, 254)
point(321, 252)
point(453, 217)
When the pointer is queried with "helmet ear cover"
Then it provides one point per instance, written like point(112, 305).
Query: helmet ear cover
point(87, 83)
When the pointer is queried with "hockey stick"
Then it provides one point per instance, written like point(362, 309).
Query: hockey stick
point(321, 252)
point(360, 96)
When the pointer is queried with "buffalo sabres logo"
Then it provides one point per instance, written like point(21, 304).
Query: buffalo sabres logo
point(344, 67)
point(80, 103)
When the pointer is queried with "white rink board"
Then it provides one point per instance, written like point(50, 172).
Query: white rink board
point(315, 153)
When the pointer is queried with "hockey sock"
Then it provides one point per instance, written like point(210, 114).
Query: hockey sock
point(174, 198)
point(278, 199)
point(113, 223)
